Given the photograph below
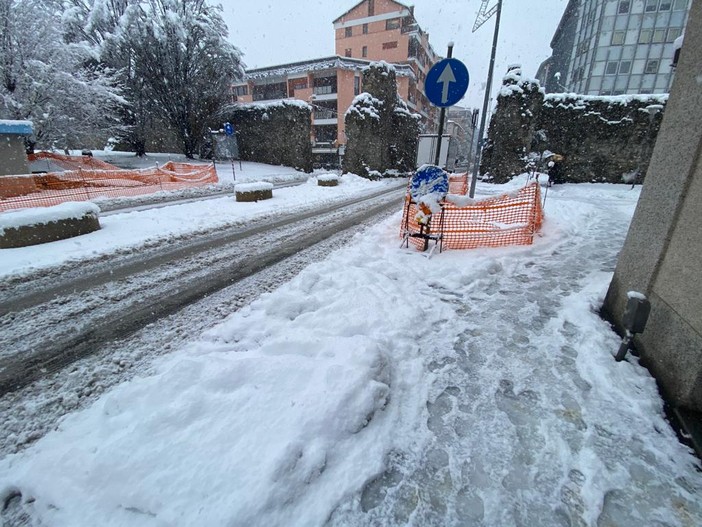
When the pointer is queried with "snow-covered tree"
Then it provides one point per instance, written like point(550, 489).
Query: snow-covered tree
point(381, 131)
point(72, 100)
point(179, 51)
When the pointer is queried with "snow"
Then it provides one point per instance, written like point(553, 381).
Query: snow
point(327, 177)
point(253, 187)
point(678, 43)
point(276, 103)
point(65, 211)
point(14, 127)
point(578, 99)
point(130, 230)
point(635, 294)
point(381, 387)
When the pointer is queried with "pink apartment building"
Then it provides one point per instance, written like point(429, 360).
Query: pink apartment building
point(372, 30)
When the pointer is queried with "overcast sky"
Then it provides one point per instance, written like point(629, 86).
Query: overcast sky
point(271, 32)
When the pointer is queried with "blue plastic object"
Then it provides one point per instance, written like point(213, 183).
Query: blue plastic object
point(429, 179)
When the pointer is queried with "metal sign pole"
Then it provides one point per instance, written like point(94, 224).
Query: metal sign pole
point(442, 116)
point(488, 87)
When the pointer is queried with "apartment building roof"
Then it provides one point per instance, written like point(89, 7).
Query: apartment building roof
point(326, 63)
point(359, 3)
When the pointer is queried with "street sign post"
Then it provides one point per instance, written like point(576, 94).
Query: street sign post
point(233, 146)
point(445, 85)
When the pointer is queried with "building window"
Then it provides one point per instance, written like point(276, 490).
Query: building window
point(390, 45)
point(348, 32)
point(241, 90)
point(658, 36)
point(347, 52)
point(651, 66)
point(679, 5)
point(611, 68)
point(624, 6)
point(618, 38)
point(393, 23)
point(651, 6)
point(365, 29)
point(673, 33)
point(371, 7)
point(645, 36)
point(364, 51)
point(298, 84)
point(356, 85)
point(624, 67)
point(665, 5)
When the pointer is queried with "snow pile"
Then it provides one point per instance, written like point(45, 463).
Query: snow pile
point(327, 177)
point(71, 210)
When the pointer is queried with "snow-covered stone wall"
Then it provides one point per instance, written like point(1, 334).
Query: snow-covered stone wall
point(602, 139)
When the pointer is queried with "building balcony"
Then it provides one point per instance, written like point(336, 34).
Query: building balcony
point(324, 90)
point(324, 147)
point(330, 120)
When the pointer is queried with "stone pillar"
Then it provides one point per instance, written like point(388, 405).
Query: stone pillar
point(661, 256)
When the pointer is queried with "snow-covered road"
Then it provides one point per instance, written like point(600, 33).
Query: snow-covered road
point(380, 387)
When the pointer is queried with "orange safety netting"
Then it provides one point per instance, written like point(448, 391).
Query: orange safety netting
point(509, 219)
point(43, 190)
point(70, 162)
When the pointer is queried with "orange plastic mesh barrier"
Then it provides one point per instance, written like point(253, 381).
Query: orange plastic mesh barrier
point(44, 190)
point(70, 162)
point(509, 219)
point(458, 184)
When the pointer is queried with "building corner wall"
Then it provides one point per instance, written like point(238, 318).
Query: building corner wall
point(660, 257)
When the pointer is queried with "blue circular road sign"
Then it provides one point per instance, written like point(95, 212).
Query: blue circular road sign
point(228, 129)
point(446, 82)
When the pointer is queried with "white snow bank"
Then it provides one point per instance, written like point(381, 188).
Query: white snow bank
point(131, 230)
point(33, 216)
point(327, 177)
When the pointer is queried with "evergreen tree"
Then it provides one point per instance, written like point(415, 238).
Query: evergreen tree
point(381, 132)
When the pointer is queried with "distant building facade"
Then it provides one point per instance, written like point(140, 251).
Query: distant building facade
point(372, 30)
point(328, 85)
point(615, 47)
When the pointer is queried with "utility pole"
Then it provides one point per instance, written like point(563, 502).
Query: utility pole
point(483, 16)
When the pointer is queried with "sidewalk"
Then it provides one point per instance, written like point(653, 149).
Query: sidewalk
point(380, 387)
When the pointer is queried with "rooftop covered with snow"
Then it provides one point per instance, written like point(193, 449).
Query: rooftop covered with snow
point(326, 63)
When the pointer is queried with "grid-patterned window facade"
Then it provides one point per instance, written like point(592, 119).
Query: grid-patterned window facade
point(623, 46)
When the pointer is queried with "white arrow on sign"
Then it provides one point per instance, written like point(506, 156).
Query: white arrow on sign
point(446, 77)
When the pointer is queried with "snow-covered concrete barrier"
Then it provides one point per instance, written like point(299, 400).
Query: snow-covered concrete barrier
point(327, 180)
point(26, 227)
point(257, 191)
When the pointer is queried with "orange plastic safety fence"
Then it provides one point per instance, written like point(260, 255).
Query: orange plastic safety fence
point(458, 184)
point(43, 190)
point(71, 162)
point(509, 219)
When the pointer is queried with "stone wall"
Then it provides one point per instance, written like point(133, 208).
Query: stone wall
point(276, 133)
point(602, 139)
